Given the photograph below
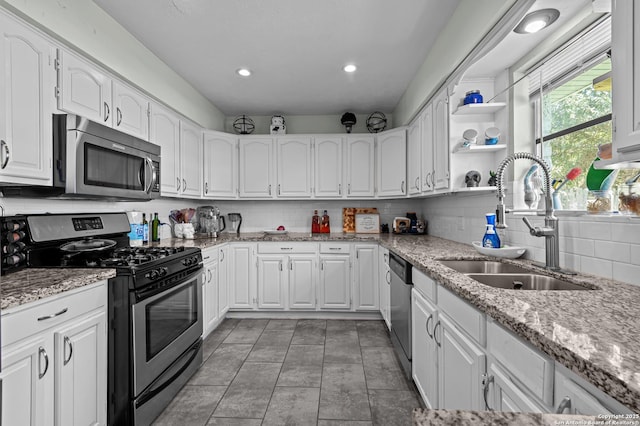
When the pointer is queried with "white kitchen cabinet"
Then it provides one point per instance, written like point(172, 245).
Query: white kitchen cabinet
point(256, 167)
point(424, 362)
point(302, 281)
point(84, 89)
point(80, 371)
point(384, 285)
point(334, 286)
point(27, 101)
point(625, 66)
point(461, 365)
point(426, 145)
point(190, 160)
point(414, 158)
point(241, 276)
point(295, 168)
point(360, 166)
point(54, 358)
point(164, 130)
point(366, 277)
point(328, 152)
point(271, 281)
point(210, 293)
point(130, 111)
point(220, 166)
point(440, 178)
point(392, 163)
point(223, 281)
point(505, 395)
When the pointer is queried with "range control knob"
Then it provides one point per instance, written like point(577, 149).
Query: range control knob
point(163, 271)
point(152, 275)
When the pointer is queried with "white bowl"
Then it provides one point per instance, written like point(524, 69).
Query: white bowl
point(508, 252)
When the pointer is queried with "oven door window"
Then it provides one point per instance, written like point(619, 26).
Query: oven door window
point(113, 169)
point(168, 317)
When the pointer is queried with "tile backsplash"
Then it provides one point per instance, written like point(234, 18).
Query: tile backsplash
point(606, 246)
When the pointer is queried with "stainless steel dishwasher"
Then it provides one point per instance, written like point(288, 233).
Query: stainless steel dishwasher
point(401, 285)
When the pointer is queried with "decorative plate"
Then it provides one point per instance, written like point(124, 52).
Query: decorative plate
point(508, 252)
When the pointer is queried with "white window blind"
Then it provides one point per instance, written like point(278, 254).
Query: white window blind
point(578, 53)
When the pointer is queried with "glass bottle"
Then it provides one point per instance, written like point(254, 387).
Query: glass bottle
point(491, 239)
point(315, 223)
point(325, 228)
point(155, 225)
point(145, 229)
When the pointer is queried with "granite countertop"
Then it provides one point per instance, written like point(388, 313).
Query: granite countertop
point(593, 333)
point(426, 417)
point(31, 284)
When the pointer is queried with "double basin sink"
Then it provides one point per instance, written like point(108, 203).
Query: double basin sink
point(508, 276)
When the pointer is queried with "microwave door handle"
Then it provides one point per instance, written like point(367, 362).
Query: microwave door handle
point(152, 174)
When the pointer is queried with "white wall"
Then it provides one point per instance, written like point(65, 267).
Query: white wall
point(604, 246)
point(297, 124)
point(86, 27)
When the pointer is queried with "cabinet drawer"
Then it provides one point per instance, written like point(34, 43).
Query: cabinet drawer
point(523, 363)
point(23, 322)
point(424, 284)
point(279, 248)
point(335, 248)
point(210, 254)
point(465, 316)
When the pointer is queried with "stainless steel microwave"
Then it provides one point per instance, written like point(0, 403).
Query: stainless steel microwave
point(93, 161)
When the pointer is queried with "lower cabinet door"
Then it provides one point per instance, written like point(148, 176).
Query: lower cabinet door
point(505, 395)
point(461, 365)
point(424, 363)
point(81, 371)
point(271, 282)
point(302, 282)
point(210, 297)
point(223, 281)
point(335, 282)
point(27, 373)
point(241, 277)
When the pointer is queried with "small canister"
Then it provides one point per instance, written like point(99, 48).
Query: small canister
point(469, 137)
point(600, 202)
point(491, 136)
point(473, 97)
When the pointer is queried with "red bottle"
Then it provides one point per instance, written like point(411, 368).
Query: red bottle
point(324, 224)
point(315, 223)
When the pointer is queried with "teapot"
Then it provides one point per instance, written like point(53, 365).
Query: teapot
point(210, 221)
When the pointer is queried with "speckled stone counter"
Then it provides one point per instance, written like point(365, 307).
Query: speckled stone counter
point(30, 285)
point(425, 417)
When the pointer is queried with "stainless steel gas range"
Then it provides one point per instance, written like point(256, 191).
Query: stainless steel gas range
point(155, 309)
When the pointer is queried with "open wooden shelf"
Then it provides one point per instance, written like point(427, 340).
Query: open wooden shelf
point(472, 109)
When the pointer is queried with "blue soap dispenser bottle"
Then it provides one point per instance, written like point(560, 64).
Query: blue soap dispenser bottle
point(491, 239)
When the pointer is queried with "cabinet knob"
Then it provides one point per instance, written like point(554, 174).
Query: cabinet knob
point(565, 404)
point(42, 353)
point(67, 342)
point(486, 381)
point(5, 147)
point(119, 116)
point(107, 111)
point(427, 325)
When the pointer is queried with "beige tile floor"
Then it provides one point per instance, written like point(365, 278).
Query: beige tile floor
point(295, 372)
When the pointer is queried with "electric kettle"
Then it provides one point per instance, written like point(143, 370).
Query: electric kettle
point(210, 221)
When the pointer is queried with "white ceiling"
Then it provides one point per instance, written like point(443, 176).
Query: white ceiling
point(295, 48)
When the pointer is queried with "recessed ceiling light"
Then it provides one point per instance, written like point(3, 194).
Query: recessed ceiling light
point(537, 20)
point(244, 72)
point(350, 68)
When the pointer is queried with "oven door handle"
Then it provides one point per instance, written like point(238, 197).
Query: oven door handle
point(156, 387)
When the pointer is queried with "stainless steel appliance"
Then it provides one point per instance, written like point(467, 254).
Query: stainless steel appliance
point(94, 161)
point(401, 285)
point(154, 306)
point(210, 221)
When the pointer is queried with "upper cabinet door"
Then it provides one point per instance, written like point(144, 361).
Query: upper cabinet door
point(625, 57)
point(27, 101)
point(294, 167)
point(256, 168)
point(414, 159)
point(165, 131)
point(360, 166)
point(392, 163)
point(131, 111)
point(426, 143)
point(85, 90)
point(441, 141)
point(190, 160)
point(328, 167)
point(220, 165)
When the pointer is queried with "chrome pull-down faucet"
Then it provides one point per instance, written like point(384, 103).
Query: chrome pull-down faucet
point(550, 229)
